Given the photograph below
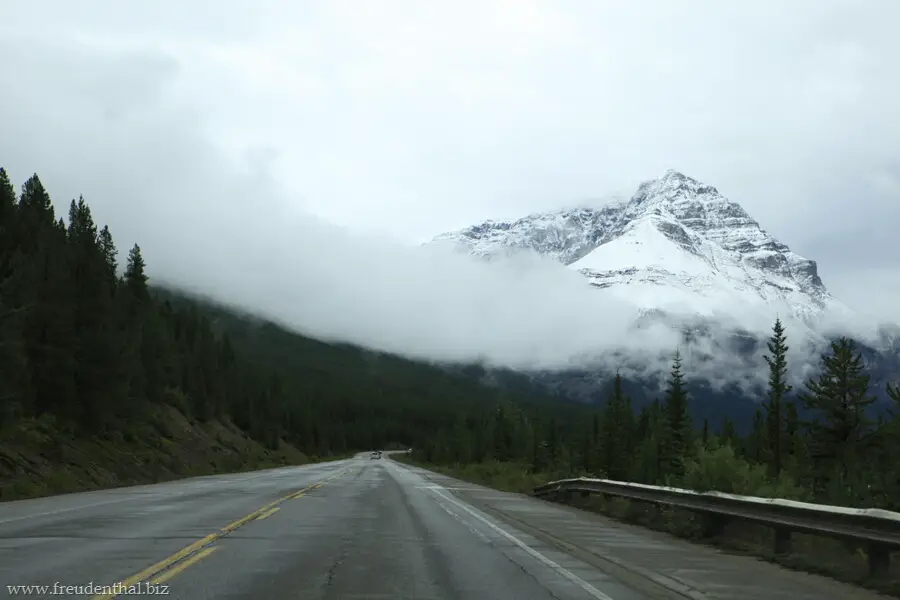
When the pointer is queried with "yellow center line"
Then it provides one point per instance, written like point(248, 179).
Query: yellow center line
point(169, 574)
point(201, 544)
point(268, 513)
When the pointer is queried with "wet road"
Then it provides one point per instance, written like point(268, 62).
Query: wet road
point(344, 530)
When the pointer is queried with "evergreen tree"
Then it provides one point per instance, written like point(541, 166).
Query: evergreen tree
point(135, 278)
point(7, 224)
point(778, 388)
point(616, 431)
point(109, 252)
point(840, 431)
point(728, 432)
point(676, 440)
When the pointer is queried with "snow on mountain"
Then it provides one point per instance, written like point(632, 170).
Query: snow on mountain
point(677, 246)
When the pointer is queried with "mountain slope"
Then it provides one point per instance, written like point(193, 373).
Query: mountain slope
point(677, 246)
point(688, 258)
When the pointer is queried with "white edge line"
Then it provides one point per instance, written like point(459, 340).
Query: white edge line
point(572, 577)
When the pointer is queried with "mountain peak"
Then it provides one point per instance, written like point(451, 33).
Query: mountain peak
point(674, 187)
point(676, 240)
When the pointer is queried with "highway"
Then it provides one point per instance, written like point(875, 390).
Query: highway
point(359, 529)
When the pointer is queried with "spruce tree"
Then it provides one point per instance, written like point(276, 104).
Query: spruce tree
point(677, 421)
point(135, 278)
point(778, 388)
point(617, 427)
point(840, 430)
point(109, 252)
point(7, 224)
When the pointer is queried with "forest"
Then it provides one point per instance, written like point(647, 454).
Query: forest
point(840, 454)
point(89, 350)
point(100, 368)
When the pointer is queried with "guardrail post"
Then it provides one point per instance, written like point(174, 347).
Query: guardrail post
point(580, 498)
point(714, 525)
point(879, 560)
point(782, 541)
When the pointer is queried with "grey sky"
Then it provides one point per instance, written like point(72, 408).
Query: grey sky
point(197, 128)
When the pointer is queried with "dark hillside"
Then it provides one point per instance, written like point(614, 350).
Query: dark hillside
point(105, 380)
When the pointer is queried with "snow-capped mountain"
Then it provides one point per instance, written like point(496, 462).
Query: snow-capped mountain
point(677, 246)
point(687, 257)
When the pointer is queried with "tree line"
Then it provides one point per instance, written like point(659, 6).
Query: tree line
point(839, 453)
point(91, 349)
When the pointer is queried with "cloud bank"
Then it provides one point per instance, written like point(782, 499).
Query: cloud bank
point(229, 159)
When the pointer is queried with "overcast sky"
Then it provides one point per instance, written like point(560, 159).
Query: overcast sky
point(195, 128)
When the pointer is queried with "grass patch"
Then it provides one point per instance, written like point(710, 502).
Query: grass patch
point(37, 458)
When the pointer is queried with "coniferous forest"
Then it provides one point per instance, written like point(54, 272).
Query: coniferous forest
point(106, 380)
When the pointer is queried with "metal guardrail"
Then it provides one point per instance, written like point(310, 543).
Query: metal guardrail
point(878, 529)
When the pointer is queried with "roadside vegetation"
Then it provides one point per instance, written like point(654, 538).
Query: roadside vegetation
point(839, 455)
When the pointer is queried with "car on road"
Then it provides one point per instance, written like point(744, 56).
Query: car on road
point(375, 455)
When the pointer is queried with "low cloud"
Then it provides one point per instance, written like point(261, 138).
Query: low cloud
point(211, 223)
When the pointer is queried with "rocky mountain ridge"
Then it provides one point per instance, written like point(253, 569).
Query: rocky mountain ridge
point(685, 256)
point(675, 232)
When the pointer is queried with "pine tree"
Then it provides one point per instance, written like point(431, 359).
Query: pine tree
point(616, 431)
point(778, 388)
point(676, 440)
point(135, 278)
point(7, 224)
point(840, 431)
point(109, 252)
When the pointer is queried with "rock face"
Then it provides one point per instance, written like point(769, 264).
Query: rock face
point(677, 246)
point(681, 253)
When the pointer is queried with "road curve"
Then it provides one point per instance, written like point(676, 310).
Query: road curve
point(346, 530)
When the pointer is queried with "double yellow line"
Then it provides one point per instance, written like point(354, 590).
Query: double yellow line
point(187, 556)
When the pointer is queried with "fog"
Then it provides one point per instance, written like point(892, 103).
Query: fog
point(310, 211)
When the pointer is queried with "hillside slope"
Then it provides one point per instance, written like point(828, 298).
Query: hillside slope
point(105, 380)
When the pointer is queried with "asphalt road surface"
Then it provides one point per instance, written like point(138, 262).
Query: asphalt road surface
point(345, 530)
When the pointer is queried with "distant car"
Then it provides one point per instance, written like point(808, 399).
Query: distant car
point(375, 455)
